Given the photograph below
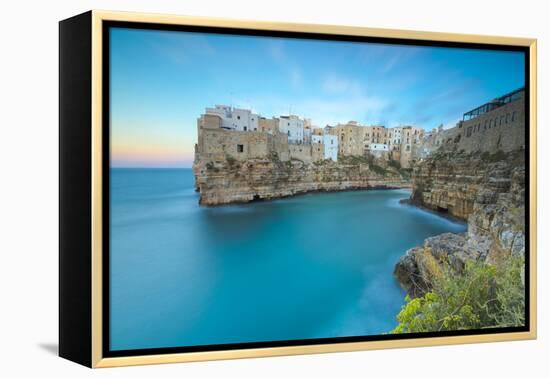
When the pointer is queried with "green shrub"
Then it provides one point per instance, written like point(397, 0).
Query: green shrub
point(378, 169)
point(493, 157)
point(406, 172)
point(355, 160)
point(481, 296)
point(395, 164)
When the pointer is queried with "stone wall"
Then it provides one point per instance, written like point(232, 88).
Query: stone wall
point(500, 129)
point(269, 125)
point(318, 151)
point(240, 145)
point(215, 143)
point(300, 152)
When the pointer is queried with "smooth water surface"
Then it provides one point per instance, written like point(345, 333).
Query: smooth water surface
point(311, 266)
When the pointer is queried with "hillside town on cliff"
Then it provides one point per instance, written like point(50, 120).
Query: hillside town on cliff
point(241, 134)
point(241, 156)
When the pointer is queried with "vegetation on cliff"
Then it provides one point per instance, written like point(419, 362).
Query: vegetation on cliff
point(476, 279)
point(481, 295)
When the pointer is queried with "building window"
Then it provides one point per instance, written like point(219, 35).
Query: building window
point(469, 132)
point(240, 148)
point(238, 117)
point(244, 128)
point(513, 116)
point(255, 129)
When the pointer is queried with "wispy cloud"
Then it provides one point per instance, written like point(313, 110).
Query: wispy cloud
point(276, 49)
point(321, 109)
point(296, 77)
point(334, 84)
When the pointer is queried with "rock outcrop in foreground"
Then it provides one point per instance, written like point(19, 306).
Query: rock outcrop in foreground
point(232, 181)
point(486, 190)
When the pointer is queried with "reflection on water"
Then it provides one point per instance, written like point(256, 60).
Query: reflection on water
point(317, 265)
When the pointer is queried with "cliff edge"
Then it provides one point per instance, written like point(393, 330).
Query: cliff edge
point(487, 191)
point(225, 181)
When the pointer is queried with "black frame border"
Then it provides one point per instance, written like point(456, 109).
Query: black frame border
point(107, 25)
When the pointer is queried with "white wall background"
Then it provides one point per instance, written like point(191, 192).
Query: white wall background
point(28, 187)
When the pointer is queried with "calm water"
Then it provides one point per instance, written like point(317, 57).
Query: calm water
point(311, 266)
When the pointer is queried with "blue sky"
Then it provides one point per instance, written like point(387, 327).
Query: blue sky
point(161, 81)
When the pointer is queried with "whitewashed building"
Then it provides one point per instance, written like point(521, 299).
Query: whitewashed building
point(293, 127)
point(234, 118)
point(331, 147)
point(330, 143)
point(378, 147)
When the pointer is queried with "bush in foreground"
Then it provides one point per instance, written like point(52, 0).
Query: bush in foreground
point(481, 296)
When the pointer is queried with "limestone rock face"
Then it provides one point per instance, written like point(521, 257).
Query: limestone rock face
point(489, 194)
point(415, 269)
point(454, 182)
point(230, 181)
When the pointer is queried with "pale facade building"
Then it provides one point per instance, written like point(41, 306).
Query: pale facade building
point(379, 150)
point(234, 118)
point(308, 130)
point(329, 143)
point(375, 134)
point(293, 127)
point(317, 131)
point(378, 147)
point(331, 147)
point(350, 138)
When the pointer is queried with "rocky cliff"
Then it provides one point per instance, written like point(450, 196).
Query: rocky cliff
point(486, 190)
point(231, 181)
point(451, 182)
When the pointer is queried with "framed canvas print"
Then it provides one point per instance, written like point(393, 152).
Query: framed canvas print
point(236, 189)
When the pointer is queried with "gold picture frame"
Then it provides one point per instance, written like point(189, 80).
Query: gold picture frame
point(91, 327)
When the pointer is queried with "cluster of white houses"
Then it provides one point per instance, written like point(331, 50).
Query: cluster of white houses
point(303, 138)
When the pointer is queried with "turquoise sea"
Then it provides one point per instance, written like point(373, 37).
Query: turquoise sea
point(311, 266)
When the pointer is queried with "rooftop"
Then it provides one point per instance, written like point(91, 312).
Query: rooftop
point(494, 104)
